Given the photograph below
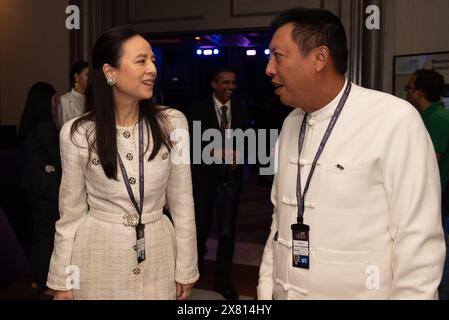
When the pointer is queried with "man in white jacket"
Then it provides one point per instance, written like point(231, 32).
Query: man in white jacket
point(357, 195)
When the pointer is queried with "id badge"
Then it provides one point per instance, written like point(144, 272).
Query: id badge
point(140, 232)
point(300, 248)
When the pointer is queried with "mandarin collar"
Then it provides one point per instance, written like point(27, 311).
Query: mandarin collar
point(327, 111)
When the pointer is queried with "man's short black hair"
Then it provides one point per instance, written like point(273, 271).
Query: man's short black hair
point(221, 70)
point(314, 28)
point(431, 83)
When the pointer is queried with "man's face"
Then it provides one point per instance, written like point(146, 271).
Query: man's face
point(224, 86)
point(292, 73)
point(82, 78)
point(412, 96)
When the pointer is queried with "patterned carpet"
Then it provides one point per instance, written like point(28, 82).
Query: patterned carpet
point(253, 226)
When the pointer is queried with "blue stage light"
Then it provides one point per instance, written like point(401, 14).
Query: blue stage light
point(216, 51)
point(207, 52)
point(199, 52)
point(267, 51)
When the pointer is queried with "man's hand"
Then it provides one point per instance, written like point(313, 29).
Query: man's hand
point(227, 156)
point(183, 291)
point(64, 295)
point(235, 159)
point(232, 157)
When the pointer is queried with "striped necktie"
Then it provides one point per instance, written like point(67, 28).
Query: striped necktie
point(224, 117)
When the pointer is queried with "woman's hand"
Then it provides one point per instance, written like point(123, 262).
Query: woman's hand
point(183, 291)
point(64, 295)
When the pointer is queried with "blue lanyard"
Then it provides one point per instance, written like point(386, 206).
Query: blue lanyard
point(301, 196)
point(139, 209)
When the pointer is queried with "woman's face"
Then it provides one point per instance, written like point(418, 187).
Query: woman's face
point(82, 79)
point(136, 73)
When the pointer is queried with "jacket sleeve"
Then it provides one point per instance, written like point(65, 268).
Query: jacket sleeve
point(50, 142)
point(72, 209)
point(65, 110)
point(266, 272)
point(180, 200)
point(59, 114)
point(411, 181)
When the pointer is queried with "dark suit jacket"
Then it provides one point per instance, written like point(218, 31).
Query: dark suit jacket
point(203, 175)
point(41, 149)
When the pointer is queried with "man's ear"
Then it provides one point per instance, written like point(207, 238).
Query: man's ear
point(108, 71)
point(321, 56)
point(213, 84)
point(420, 95)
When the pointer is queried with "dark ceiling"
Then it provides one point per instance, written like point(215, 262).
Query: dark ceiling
point(215, 39)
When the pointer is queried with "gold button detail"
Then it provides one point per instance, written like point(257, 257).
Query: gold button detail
point(130, 157)
point(126, 134)
point(165, 156)
point(136, 271)
point(95, 162)
point(132, 180)
point(131, 219)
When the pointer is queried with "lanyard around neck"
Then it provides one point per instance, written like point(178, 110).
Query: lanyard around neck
point(139, 208)
point(301, 196)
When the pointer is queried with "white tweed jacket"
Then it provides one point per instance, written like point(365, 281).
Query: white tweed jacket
point(94, 252)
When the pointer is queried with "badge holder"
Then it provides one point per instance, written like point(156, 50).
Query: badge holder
point(300, 248)
point(140, 232)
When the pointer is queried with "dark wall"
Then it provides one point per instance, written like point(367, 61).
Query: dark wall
point(184, 77)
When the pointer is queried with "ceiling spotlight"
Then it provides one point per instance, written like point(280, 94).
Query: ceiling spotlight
point(267, 51)
point(199, 52)
point(250, 52)
point(216, 51)
point(197, 38)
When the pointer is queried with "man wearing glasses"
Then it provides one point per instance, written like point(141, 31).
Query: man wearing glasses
point(424, 91)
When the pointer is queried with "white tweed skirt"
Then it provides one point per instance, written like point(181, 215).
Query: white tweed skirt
point(107, 260)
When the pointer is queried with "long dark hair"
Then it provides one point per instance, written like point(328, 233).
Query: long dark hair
point(108, 50)
point(38, 107)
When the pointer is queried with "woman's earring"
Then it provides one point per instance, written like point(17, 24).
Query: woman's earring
point(111, 82)
point(76, 85)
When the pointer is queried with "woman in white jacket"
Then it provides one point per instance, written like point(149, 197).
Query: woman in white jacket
point(113, 240)
point(73, 103)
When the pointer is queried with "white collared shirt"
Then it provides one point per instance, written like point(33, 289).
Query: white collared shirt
point(71, 105)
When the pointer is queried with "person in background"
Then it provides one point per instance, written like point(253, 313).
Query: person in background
point(41, 176)
point(218, 185)
point(424, 90)
point(73, 103)
point(118, 170)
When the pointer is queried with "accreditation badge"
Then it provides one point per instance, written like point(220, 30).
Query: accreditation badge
point(300, 247)
point(140, 232)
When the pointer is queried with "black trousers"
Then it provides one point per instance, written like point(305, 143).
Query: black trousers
point(45, 213)
point(224, 196)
